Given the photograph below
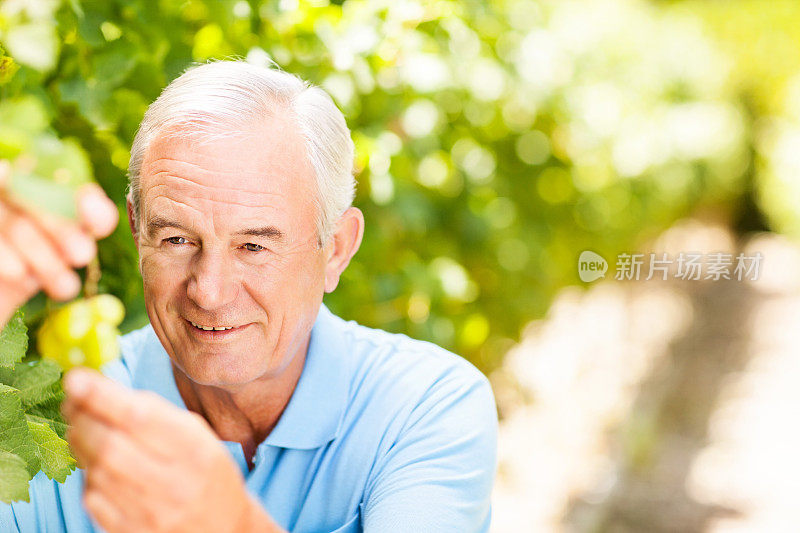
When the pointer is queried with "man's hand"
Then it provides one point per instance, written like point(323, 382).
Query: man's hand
point(39, 251)
point(151, 466)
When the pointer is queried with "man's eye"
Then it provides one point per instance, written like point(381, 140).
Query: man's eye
point(176, 240)
point(250, 247)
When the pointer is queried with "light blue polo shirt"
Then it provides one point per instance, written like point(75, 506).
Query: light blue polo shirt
point(382, 433)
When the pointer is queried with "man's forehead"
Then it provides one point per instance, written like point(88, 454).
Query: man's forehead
point(240, 151)
point(224, 206)
point(244, 163)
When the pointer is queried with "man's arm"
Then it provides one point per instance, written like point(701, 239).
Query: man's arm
point(438, 475)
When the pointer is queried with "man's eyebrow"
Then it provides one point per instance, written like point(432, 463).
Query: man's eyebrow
point(269, 232)
point(157, 222)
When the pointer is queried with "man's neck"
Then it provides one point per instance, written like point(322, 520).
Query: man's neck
point(249, 413)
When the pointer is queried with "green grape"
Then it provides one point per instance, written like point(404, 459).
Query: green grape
point(75, 356)
point(49, 344)
point(72, 322)
point(83, 332)
point(100, 345)
point(107, 308)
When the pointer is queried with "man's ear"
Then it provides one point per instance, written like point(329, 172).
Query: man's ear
point(343, 245)
point(132, 220)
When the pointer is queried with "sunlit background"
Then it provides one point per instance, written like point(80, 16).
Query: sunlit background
point(496, 141)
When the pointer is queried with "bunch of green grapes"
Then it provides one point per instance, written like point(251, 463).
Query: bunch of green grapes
point(83, 332)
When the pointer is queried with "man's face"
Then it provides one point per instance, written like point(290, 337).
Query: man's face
point(227, 237)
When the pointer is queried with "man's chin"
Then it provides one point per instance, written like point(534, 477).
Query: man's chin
point(218, 374)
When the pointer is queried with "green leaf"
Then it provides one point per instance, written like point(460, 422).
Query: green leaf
point(35, 191)
point(13, 341)
point(53, 451)
point(34, 44)
point(24, 113)
point(13, 478)
point(36, 381)
point(6, 376)
point(14, 434)
point(50, 413)
point(62, 160)
point(21, 119)
point(114, 63)
point(89, 98)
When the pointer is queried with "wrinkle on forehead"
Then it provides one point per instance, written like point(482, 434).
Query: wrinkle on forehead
point(280, 163)
point(203, 208)
point(224, 193)
point(170, 202)
point(266, 168)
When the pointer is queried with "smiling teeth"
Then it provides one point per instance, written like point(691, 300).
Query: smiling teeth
point(210, 328)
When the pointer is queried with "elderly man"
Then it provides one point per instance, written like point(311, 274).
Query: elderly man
point(245, 404)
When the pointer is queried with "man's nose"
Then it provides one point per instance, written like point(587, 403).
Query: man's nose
point(212, 283)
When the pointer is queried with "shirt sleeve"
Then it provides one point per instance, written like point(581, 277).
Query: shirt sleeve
point(53, 507)
point(7, 520)
point(439, 473)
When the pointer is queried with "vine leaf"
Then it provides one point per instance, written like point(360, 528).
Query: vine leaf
point(13, 341)
point(53, 451)
point(14, 478)
point(49, 412)
point(14, 435)
point(36, 381)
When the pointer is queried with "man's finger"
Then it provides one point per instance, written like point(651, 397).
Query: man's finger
point(57, 278)
point(149, 419)
point(108, 453)
point(92, 441)
point(101, 397)
point(12, 268)
point(127, 497)
point(17, 293)
point(5, 172)
point(96, 211)
point(87, 438)
point(73, 243)
point(108, 515)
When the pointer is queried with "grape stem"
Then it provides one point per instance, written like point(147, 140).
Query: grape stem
point(93, 274)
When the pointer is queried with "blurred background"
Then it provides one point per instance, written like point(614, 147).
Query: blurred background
point(495, 142)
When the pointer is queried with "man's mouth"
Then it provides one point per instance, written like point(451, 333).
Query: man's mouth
point(213, 331)
point(211, 328)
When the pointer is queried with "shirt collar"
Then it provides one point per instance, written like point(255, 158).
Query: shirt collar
point(313, 416)
point(314, 413)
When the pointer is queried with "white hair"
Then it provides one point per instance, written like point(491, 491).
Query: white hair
point(218, 98)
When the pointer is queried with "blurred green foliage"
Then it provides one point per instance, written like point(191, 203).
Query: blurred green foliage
point(762, 39)
point(495, 140)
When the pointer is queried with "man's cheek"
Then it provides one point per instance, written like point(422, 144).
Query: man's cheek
point(148, 263)
point(159, 269)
